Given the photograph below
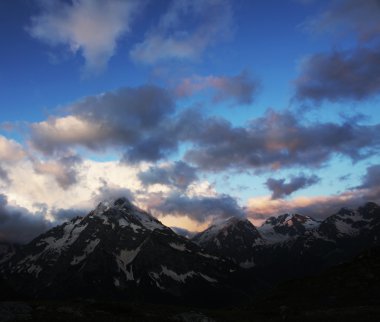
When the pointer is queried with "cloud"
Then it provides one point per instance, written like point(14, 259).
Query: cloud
point(319, 207)
point(276, 140)
point(200, 208)
point(111, 191)
point(241, 88)
point(86, 26)
point(340, 75)
point(177, 174)
point(371, 180)
point(144, 125)
point(10, 151)
point(18, 224)
point(183, 232)
point(4, 175)
point(282, 189)
point(136, 119)
point(64, 170)
point(185, 31)
point(62, 215)
point(347, 17)
point(350, 74)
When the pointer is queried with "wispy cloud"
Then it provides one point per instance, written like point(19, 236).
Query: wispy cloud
point(240, 89)
point(349, 74)
point(185, 31)
point(344, 17)
point(91, 28)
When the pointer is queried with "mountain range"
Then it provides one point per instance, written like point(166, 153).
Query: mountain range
point(119, 251)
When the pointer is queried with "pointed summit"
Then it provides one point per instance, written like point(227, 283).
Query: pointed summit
point(233, 238)
point(117, 250)
point(283, 227)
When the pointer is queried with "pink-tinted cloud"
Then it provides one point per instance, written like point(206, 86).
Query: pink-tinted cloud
point(241, 88)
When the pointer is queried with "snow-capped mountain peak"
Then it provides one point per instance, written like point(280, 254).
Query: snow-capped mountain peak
point(123, 213)
point(222, 228)
point(115, 242)
point(233, 238)
point(348, 222)
point(283, 227)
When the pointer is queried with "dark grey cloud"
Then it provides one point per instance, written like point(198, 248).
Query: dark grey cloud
point(144, 123)
point(280, 188)
point(18, 225)
point(132, 118)
point(371, 180)
point(276, 140)
point(350, 74)
point(177, 174)
point(340, 75)
point(201, 209)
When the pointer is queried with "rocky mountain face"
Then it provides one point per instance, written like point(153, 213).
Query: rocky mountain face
point(7, 250)
point(284, 227)
point(117, 250)
point(120, 251)
point(233, 239)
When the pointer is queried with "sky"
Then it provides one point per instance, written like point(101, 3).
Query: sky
point(196, 110)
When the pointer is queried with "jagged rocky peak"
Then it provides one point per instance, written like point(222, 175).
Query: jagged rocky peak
point(283, 227)
point(290, 219)
point(348, 222)
point(369, 208)
point(117, 249)
point(118, 203)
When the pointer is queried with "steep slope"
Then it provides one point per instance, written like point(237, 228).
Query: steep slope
point(352, 223)
point(233, 238)
point(7, 250)
point(117, 250)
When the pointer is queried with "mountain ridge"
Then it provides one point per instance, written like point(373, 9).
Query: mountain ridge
point(121, 251)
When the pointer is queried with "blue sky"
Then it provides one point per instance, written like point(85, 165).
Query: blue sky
point(196, 110)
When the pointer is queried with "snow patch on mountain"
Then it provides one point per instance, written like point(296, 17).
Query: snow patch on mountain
point(180, 247)
point(176, 276)
point(88, 250)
